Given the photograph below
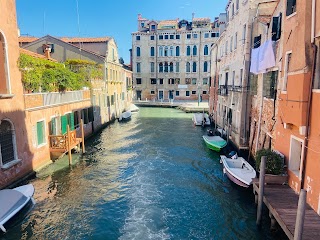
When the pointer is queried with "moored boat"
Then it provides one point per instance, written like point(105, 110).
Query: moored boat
point(134, 108)
point(238, 170)
point(12, 201)
point(214, 143)
point(125, 116)
point(201, 119)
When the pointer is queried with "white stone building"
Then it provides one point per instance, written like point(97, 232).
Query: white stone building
point(171, 58)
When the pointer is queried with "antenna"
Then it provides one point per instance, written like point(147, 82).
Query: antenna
point(44, 23)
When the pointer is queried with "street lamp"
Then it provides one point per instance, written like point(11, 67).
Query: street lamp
point(199, 87)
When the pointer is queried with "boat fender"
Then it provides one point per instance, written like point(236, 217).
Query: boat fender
point(3, 229)
point(224, 171)
point(220, 160)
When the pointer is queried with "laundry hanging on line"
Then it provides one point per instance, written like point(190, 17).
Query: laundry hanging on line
point(262, 58)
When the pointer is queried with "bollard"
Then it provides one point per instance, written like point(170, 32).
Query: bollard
point(261, 189)
point(298, 229)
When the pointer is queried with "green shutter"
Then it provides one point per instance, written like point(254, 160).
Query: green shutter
point(64, 123)
point(71, 121)
point(53, 126)
point(40, 133)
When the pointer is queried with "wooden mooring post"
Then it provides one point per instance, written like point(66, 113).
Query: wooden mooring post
point(82, 136)
point(298, 230)
point(69, 145)
point(261, 190)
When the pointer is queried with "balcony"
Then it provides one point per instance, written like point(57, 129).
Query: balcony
point(225, 89)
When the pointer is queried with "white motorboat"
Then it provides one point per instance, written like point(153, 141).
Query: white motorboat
point(201, 119)
point(125, 116)
point(12, 201)
point(238, 170)
point(134, 108)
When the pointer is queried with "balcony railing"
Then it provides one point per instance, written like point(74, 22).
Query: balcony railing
point(225, 89)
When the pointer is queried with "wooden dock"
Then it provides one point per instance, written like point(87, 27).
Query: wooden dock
point(282, 203)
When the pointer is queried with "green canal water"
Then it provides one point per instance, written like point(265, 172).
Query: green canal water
point(149, 178)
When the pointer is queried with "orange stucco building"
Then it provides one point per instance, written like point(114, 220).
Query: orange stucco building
point(15, 154)
point(297, 125)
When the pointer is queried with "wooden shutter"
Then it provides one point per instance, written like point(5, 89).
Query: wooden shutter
point(40, 133)
point(71, 121)
point(276, 27)
point(257, 41)
point(64, 123)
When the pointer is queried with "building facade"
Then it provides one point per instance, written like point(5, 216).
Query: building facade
point(15, 150)
point(171, 58)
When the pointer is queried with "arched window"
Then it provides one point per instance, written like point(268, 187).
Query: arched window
point(4, 67)
point(205, 66)
point(177, 51)
point(171, 67)
point(138, 52)
point(171, 51)
point(152, 51)
point(188, 67)
point(166, 49)
point(160, 51)
point(188, 51)
point(166, 66)
point(194, 50)
point(160, 67)
point(205, 50)
point(194, 67)
point(7, 142)
point(177, 67)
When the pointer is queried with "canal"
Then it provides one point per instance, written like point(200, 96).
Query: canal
point(149, 178)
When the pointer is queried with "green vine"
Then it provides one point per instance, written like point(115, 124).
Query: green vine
point(42, 75)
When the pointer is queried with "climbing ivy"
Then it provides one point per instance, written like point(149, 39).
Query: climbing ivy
point(42, 75)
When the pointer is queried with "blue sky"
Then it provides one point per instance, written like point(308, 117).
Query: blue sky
point(104, 17)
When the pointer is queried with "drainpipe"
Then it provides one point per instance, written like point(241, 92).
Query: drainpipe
point(308, 120)
point(313, 19)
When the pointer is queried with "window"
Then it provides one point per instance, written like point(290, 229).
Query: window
point(84, 112)
point(194, 67)
point(233, 77)
point(195, 35)
point(177, 51)
point(177, 81)
point(171, 36)
point(276, 27)
point(296, 155)
point(171, 67)
point(237, 5)
point(232, 9)
point(205, 50)
point(286, 70)
point(8, 151)
point(206, 35)
point(90, 114)
point(177, 36)
point(166, 67)
point(291, 7)
point(138, 38)
point(152, 51)
point(53, 126)
point(160, 37)
point(152, 92)
point(188, 50)
point(161, 81)
point(187, 93)
point(188, 80)
point(138, 80)
point(166, 36)
point(160, 67)
point(76, 122)
point(188, 67)
point(253, 84)
point(244, 33)
point(231, 44)
point(205, 81)
point(153, 81)
point(194, 81)
point(142, 24)
point(205, 66)
point(257, 41)
point(170, 80)
point(226, 50)
point(152, 37)
point(4, 67)
point(188, 36)
point(40, 133)
point(270, 84)
point(235, 41)
point(153, 27)
point(177, 67)
point(177, 93)
point(138, 67)
point(194, 92)
point(241, 76)
point(166, 50)
point(160, 51)
point(152, 67)
point(138, 51)
point(194, 50)
point(171, 51)
point(204, 92)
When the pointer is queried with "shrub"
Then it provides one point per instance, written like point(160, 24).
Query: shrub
point(274, 162)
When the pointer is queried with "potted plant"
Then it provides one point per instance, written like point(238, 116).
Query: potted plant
point(274, 166)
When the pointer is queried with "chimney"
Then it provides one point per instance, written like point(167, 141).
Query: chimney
point(139, 16)
point(47, 50)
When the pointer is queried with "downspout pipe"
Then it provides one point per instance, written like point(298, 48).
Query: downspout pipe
point(308, 120)
point(313, 20)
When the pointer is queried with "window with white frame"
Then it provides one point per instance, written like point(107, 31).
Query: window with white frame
point(152, 67)
point(177, 67)
point(138, 52)
point(286, 70)
point(138, 67)
point(8, 151)
point(291, 7)
point(244, 33)
point(235, 40)
point(231, 44)
point(295, 157)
